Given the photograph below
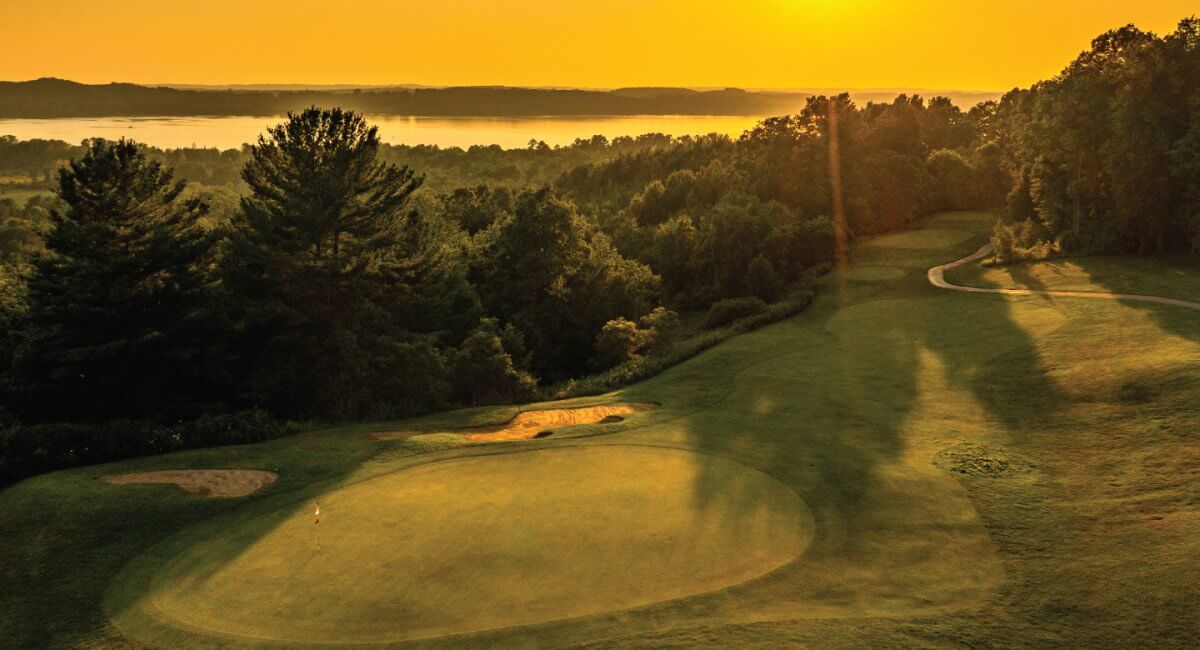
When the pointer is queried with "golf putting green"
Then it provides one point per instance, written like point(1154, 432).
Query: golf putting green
point(485, 542)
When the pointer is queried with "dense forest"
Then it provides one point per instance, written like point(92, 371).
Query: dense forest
point(34, 164)
point(1106, 154)
point(174, 298)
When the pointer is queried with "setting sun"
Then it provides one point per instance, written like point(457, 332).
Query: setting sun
point(944, 44)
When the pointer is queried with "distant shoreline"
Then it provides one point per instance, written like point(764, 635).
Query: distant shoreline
point(56, 98)
point(509, 132)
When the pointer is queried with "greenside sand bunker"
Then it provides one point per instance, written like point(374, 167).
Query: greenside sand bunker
point(479, 543)
point(527, 424)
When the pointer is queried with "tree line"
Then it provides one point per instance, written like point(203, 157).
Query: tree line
point(216, 174)
point(1106, 155)
point(335, 288)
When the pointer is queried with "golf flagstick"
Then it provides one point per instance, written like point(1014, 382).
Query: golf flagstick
point(317, 523)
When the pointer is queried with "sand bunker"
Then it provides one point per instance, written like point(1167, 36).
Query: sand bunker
point(212, 483)
point(527, 425)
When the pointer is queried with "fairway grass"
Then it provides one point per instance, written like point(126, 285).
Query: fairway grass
point(900, 465)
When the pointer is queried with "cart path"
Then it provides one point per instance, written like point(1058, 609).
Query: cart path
point(937, 278)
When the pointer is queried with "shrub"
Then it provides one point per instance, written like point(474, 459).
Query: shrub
point(483, 370)
point(618, 342)
point(1024, 241)
point(230, 429)
point(762, 280)
point(724, 312)
point(661, 324)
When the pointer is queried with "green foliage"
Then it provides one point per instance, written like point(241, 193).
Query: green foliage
point(557, 282)
point(1023, 241)
point(1106, 150)
point(618, 342)
point(702, 212)
point(761, 280)
point(321, 261)
point(120, 321)
point(724, 312)
point(952, 176)
point(660, 200)
point(661, 324)
point(477, 208)
point(483, 370)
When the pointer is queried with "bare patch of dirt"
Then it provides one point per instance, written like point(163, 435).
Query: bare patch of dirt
point(211, 483)
point(527, 425)
point(977, 460)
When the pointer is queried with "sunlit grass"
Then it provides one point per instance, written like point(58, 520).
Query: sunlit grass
point(978, 469)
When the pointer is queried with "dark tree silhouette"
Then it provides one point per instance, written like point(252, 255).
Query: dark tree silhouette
point(317, 263)
point(118, 323)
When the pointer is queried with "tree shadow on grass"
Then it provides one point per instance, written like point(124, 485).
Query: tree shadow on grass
point(847, 404)
point(1025, 279)
point(1177, 320)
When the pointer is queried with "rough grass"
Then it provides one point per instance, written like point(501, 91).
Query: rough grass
point(979, 470)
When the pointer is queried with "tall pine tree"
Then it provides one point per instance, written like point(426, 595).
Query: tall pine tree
point(118, 323)
point(317, 262)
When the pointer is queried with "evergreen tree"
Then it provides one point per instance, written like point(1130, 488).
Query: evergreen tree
point(119, 324)
point(319, 261)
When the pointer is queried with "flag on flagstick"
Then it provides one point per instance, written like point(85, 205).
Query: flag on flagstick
point(317, 520)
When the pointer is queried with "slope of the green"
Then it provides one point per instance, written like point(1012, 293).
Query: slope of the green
point(900, 465)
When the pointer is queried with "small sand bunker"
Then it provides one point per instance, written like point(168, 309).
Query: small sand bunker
point(528, 425)
point(212, 483)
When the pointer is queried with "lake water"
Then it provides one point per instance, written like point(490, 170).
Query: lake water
point(510, 133)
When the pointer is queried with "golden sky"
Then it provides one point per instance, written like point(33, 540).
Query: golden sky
point(939, 44)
